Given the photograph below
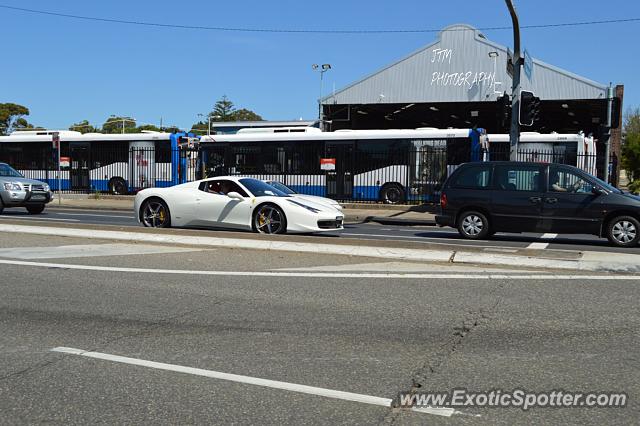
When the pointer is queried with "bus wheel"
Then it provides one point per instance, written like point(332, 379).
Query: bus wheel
point(117, 186)
point(392, 194)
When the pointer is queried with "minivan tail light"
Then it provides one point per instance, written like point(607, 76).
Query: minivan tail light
point(443, 200)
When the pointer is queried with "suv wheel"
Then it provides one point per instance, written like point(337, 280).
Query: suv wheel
point(37, 209)
point(473, 225)
point(1, 205)
point(624, 231)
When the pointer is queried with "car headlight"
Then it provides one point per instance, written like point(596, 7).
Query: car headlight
point(12, 186)
point(311, 209)
point(46, 188)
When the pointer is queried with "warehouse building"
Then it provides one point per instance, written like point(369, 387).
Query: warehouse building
point(459, 81)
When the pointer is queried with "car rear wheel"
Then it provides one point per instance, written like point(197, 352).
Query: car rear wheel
point(155, 214)
point(269, 219)
point(37, 209)
point(624, 231)
point(473, 225)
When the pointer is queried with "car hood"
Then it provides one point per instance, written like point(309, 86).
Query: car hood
point(322, 207)
point(21, 180)
point(316, 199)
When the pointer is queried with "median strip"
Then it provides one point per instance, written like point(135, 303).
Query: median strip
point(589, 261)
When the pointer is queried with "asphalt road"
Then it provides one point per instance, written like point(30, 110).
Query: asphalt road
point(372, 335)
point(426, 234)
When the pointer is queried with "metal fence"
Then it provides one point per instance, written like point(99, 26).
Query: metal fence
point(366, 176)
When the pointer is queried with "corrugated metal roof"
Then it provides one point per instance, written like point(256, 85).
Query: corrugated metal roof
point(457, 68)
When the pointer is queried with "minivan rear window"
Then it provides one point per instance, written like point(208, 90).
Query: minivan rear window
point(475, 177)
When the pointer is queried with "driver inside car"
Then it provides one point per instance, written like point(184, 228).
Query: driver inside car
point(214, 188)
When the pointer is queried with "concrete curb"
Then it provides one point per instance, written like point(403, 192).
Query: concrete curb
point(592, 261)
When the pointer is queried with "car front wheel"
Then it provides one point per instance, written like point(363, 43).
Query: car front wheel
point(155, 214)
point(269, 219)
point(473, 225)
point(624, 231)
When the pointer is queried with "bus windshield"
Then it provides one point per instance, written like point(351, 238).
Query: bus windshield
point(8, 171)
point(261, 189)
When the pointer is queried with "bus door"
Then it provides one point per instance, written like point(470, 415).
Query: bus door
point(80, 154)
point(339, 176)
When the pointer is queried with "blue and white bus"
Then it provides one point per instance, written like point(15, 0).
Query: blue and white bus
point(117, 163)
point(391, 166)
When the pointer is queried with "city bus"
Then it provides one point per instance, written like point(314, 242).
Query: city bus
point(391, 166)
point(115, 163)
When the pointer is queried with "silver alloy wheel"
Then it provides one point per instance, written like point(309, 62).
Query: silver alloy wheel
point(269, 220)
point(624, 231)
point(472, 225)
point(155, 214)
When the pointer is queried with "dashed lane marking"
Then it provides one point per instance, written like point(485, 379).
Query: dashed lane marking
point(542, 246)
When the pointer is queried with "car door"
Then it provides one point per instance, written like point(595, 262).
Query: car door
point(516, 204)
point(570, 205)
point(215, 208)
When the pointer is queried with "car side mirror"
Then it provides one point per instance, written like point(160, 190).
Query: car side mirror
point(235, 196)
point(597, 191)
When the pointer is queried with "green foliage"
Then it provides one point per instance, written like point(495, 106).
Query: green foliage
point(631, 149)
point(634, 187)
point(84, 127)
point(115, 124)
point(225, 110)
point(12, 118)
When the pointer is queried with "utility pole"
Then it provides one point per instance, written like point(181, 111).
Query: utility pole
point(514, 132)
point(607, 144)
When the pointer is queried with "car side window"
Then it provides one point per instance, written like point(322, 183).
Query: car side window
point(565, 180)
point(475, 177)
point(222, 187)
point(518, 177)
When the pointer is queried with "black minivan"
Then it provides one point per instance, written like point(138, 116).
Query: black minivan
point(480, 199)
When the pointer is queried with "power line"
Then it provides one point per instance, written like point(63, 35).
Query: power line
point(298, 31)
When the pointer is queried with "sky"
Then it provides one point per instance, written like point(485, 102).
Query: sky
point(67, 70)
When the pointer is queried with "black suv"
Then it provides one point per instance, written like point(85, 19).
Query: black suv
point(481, 199)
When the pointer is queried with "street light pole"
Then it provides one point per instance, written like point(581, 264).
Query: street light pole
point(323, 68)
point(514, 132)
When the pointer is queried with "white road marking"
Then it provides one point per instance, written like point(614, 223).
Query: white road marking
point(542, 246)
point(94, 215)
point(37, 218)
point(89, 250)
point(407, 267)
point(465, 276)
point(255, 381)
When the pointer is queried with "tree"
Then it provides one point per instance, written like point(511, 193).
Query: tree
point(224, 110)
point(115, 124)
point(12, 118)
point(245, 115)
point(84, 127)
point(631, 149)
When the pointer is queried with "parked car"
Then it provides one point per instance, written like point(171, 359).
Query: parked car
point(480, 199)
point(17, 191)
point(233, 202)
point(313, 198)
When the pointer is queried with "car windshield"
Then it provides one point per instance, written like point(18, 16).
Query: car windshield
point(282, 187)
point(8, 171)
point(261, 189)
point(606, 185)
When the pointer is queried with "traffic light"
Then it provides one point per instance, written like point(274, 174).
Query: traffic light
point(529, 108)
point(503, 108)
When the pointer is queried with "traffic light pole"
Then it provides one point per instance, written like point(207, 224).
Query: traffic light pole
point(514, 133)
point(607, 145)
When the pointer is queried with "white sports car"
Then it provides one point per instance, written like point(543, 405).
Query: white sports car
point(233, 202)
point(313, 198)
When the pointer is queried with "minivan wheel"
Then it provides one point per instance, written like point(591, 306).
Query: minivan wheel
point(473, 225)
point(623, 231)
